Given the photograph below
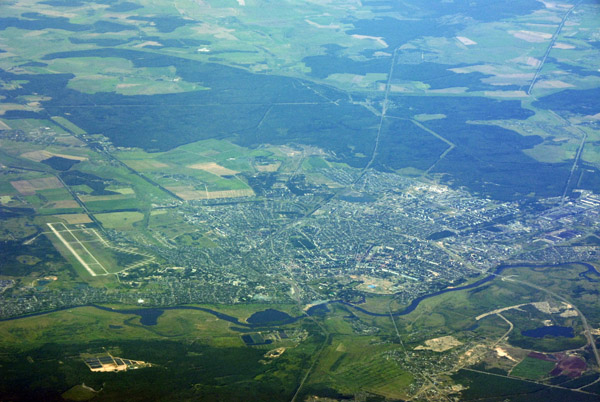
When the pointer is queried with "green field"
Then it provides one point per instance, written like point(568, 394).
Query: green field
point(207, 165)
point(91, 254)
point(120, 220)
point(35, 125)
point(180, 343)
point(532, 368)
point(350, 364)
point(68, 125)
point(246, 155)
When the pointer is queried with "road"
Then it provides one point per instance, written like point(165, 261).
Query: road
point(550, 46)
point(337, 192)
point(383, 113)
point(573, 168)
point(73, 194)
point(72, 250)
point(117, 161)
point(534, 80)
point(291, 279)
point(587, 330)
point(577, 155)
point(450, 144)
point(499, 310)
point(503, 338)
point(510, 328)
point(529, 381)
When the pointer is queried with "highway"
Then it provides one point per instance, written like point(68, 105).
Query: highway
point(550, 46)
point(587, 330)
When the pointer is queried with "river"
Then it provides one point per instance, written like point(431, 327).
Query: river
point(149, 316)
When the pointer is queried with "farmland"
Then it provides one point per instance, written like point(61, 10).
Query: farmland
point(347, 200)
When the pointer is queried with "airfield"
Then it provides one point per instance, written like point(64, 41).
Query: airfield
point(347, 201)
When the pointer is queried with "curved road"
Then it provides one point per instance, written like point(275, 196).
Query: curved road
point(587, 330)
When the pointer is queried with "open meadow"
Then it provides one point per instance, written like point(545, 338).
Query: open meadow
point(299, 201)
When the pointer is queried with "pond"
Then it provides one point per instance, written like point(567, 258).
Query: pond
point(552, 330)
point(269, 316)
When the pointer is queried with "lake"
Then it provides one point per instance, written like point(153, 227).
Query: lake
point(552, 330)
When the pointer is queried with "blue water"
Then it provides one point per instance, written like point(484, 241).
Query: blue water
point(415, 303)
point(553, 330)
point(269, 316)
point(149, 316)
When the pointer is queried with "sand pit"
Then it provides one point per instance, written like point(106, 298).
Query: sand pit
point(440, 344)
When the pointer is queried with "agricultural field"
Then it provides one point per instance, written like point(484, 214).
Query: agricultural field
point(533, 368)
point(323, 200)
point(453, 62)
point(202, 170)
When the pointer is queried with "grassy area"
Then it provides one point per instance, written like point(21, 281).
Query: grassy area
point(56, 194)
point(315, 163)
point(351, 362)
point(112, 205)
point(139, 77)
point(74, 325)
point(145, 193)
point(568, 280)
point(79, 393)
point(209, 165)
point(68, 125)
point(17, 227)
point(91, 324)
point(35, 124)
point(91, 255)
point(180, 343)
point(532, 368)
